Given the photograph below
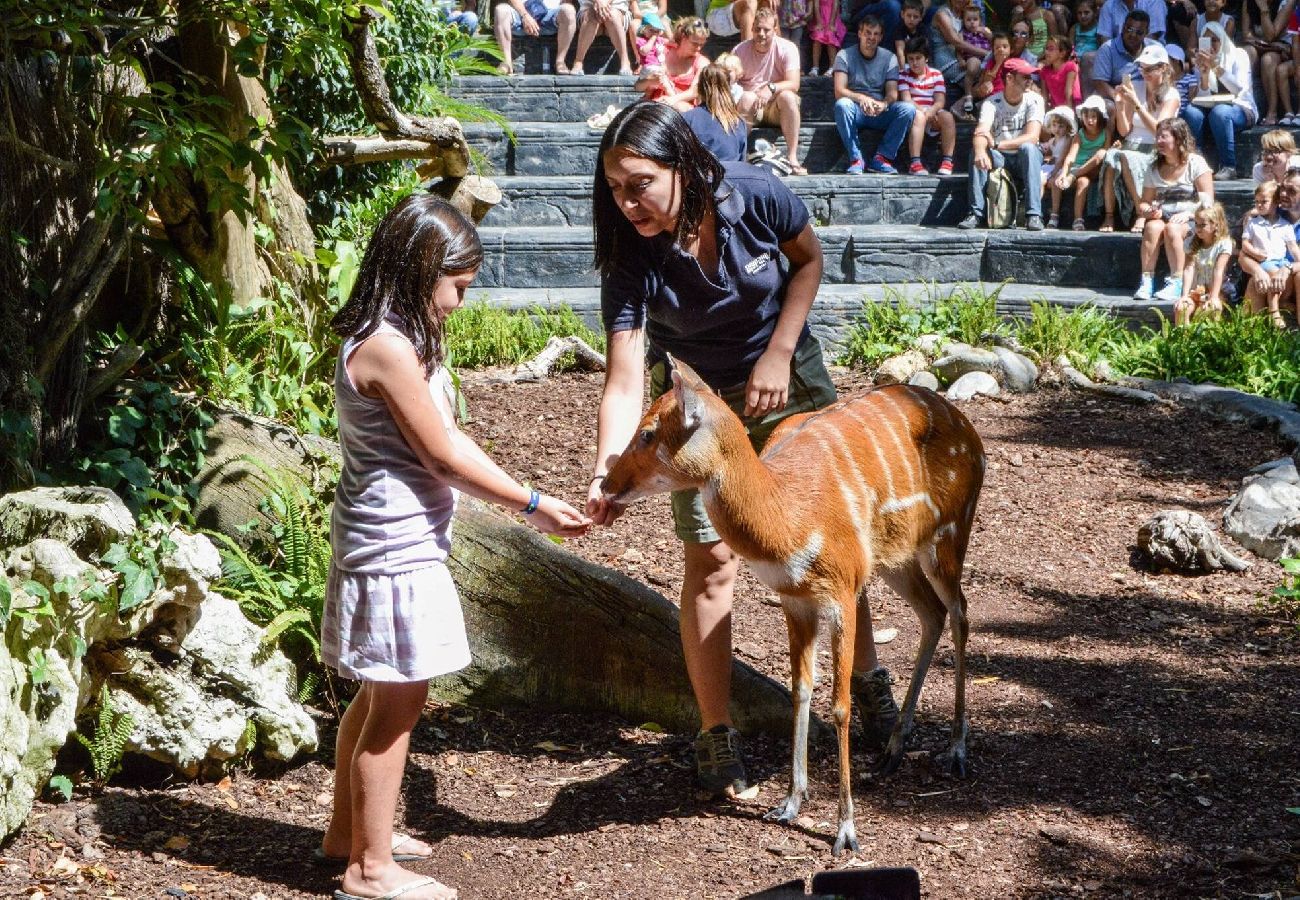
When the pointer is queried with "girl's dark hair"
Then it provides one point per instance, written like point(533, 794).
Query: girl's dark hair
point(423, 238)
point(657, 132)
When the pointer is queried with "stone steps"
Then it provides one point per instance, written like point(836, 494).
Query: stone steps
point(561, 257)
point(838, 304)
point(558, 200)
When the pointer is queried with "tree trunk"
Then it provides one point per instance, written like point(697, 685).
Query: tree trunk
point(546, 627)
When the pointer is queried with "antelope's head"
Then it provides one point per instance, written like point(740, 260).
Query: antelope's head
point(674, 448)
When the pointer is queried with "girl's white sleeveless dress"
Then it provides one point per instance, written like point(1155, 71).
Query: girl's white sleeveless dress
point(391, 610)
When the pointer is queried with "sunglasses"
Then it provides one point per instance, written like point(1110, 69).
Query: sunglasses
point(1020, 34)
point(1136, 29)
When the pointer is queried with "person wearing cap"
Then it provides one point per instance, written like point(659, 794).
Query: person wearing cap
point(1010, 126)
point(1118, 58)
point(1185, 79)
point(1223, 69)
point(1139, 107)
point(865, 81)
point(656, 10)
point(770, 79)
point(650, 40)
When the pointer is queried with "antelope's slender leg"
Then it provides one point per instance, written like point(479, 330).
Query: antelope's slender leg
point(842, 645)
point(911, 584)
point(801, 623)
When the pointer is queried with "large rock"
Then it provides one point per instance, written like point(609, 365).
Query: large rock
point(1180, 541)
point(924, 379)
point(971, 385)
point(195, 683)
point(1019, 373)
point(87, 519)
point(900, 369)
point(959, 360)
point(1264, 517)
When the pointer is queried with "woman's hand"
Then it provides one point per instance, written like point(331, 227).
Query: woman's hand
point(769, 384)
point(554, 516)
point(1180, 218)
point(1064, 180)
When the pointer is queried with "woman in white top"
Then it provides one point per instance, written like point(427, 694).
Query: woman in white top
point(1176, 185)
point(1224, 70)
point(1139, 107)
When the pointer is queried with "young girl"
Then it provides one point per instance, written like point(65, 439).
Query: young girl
point(392, 619)
point(1083, 161)
point(734, 68)
point(1084, 32)
point(1060, 73)
point(1041, 26)
point(1208, 257)
point(651, 44)
point(827, 31)
point(991, 78)
point(1270, 241)
point(1058, 128)
point(978, 35)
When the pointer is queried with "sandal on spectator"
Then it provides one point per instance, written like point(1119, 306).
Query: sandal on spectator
point(1054, 221)
point(796, 169)
point(1107, 225)
point(562, 69)
point(1139, 223)
point(1079, 226)
point(576, 69)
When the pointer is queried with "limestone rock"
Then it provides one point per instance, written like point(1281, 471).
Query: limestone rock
point(972, 384)
point(1284, 469)
point(925, 379)
point(898, 369)
point(193, 695)
point(1264, 517)
point(1182, 541)
point(87, 519)
point(959, 360)
point(1019, 373)
point(930, 344)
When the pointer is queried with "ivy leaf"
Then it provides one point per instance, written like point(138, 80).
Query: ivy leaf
point(6, 601)
point(37, 668)
point(137, 585)
point(62, 785)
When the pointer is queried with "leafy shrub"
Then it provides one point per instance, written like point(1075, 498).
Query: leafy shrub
point(1285, 598)
point(108, 742)
point(885, 329)
point(482, 335)
point(1084, 333)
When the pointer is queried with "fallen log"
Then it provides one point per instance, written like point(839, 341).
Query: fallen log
point(547, 628)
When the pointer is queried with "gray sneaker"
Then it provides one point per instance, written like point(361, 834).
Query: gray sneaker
point(874, 700)
point(719, 770)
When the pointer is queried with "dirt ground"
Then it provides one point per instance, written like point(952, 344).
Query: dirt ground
point(1132, 734)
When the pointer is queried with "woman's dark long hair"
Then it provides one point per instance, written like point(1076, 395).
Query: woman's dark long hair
point(657, 132)
point(423, 238)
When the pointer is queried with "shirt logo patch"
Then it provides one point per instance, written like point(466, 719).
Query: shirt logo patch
point(758, 263)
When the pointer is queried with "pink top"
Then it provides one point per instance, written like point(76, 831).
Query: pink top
point(391, 515)
point(1054, 83)
point(760, 68)
point(651, 50)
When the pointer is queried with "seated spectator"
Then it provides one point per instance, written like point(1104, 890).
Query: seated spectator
point(651, 43)
point(1208, 257)
point(1083, 35)
point(826, 34)
point(716, 121)
point(1267, 44)
point(1277, 153)
point(1115, 15)
point(728, 17)
point(924, 88)
point(959, 43)
point(1041, 26)
point(1118, 58)
point(1059, 129)
point(615, 18)
point(1224, 70)
point(1269, 240)
point(1020, 35)
point(641, 9)
point(1059, 73)
point(533, 18)
point(889, 12)
point(1009, 129)
point(465, 18)
point(770, 80)
point(1139, 107)
point(1177, 184)
point(912, 21)
point(676, 83)
point(731, 63)
point(991, 75)
point(865, 80)
point(1187, 80)
point(1082, 166)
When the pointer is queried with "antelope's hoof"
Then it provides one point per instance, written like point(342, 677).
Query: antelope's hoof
point(846, 839)
point(952, 762)
point(786, 813)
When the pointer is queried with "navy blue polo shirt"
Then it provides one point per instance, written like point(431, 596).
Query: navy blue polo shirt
point(727, 147)
point(721, 328)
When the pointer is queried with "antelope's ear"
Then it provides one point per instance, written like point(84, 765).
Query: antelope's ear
point(687, 395)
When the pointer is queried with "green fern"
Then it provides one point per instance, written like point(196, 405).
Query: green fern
point(106, 746)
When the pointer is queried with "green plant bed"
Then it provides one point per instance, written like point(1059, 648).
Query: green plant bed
point(482, 335)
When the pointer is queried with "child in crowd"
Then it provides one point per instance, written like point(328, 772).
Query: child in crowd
point(1040, 26)
point(1084, 32)
point(636, 23)
point(1270, 240)
point(1277, 153)
point(1081, 167)
point(924, 87)
point(827, 32)
point(735, 68)
point(392, 619)
point(977, 34)
point(651, 43)
point(1214, 12)
point(991, 78)
point(1058, 135)
point(1208, 256)
point(1186, 81)
point(911, 18)
point(1059, 73)
point(794, 16)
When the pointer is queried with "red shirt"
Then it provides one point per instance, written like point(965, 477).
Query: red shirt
point(1054, 82)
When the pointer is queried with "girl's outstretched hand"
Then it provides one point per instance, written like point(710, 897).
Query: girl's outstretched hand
point(554, 516)
point(601, 510)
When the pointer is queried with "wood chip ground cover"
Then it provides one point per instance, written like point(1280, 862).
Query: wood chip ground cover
point(1133, 734)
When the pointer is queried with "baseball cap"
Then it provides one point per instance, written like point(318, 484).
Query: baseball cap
point(1176, 52)
point(1019, 66)
point(1152, 55)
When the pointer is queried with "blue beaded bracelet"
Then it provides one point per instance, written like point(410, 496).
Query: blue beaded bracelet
point(533, 499)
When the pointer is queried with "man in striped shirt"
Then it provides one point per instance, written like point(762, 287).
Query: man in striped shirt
point(924, 87)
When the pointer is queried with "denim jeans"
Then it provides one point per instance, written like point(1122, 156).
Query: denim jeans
point(889, 12)
point(895, 122)
point(1027, 162)
point(1225, 119)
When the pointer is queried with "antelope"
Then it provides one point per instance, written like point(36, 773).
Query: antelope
point(886, 481)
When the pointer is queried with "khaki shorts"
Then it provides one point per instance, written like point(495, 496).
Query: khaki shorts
point(810, 388)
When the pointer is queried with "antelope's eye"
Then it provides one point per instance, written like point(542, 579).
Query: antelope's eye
point(645, 437)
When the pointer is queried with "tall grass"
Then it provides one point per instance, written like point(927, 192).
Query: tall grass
point(482, 335)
